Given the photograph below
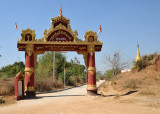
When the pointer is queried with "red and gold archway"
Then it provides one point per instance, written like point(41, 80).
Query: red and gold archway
point(59, 37)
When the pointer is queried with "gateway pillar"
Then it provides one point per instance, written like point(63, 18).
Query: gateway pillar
point(29, 71)
point(91, 71)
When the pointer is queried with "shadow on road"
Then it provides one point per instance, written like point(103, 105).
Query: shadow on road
point(58, 96)
point(40, 97)
point(128, 93)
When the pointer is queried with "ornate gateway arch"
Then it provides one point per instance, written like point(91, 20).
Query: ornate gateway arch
point(59, 37)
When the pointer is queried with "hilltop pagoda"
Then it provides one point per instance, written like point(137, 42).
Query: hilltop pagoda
point(138, 57)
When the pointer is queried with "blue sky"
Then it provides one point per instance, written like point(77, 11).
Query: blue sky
point(124, 22)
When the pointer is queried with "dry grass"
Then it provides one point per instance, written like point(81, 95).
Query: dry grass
point(132, 83)
point(144, 81)
point(104, 85)
point(7, 91)
point(75, 81)
point(117, 96)
point(146, 92)
point(7, 100)
point(47, 85)
point(7, 87)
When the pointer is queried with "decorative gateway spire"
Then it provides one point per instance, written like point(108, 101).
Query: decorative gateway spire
point(138, 57)
point(60, 11)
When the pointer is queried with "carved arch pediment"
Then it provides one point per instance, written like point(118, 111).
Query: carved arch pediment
point(60, 33)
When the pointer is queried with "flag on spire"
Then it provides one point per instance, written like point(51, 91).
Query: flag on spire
point(15, 26)
point(61, 11)
point(100, 29)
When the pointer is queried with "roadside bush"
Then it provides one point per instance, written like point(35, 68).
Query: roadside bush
point(138, 64)
point(2, 101)
point(117, 96)
point(75, 80)
point(7, 89)
point(58, 84)
point(103, 77)
point(3, 76)
point(47, 85)
point(132, 83)
point(146, 92)
point(43, 85)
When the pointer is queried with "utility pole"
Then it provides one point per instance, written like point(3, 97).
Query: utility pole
point(53, 66)
point(64, 76)
point(79, 66)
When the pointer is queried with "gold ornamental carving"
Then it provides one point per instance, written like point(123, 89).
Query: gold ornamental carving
point(91, 70)
point(60, 18)
point(45, 33)
point(29, 49)
point(60, 32)
point(91, 49)
point(29, 71)
point(90, 36)
point(66, 27)
point(90, 86)
point(28, 31)
point(60, 27)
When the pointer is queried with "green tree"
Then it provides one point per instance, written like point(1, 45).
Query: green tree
point(109, 74)
point(14, 69)
point(73, 70)
point(44, 67)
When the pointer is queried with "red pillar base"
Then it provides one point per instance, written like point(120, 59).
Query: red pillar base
point(92, 92)
point(30, 94)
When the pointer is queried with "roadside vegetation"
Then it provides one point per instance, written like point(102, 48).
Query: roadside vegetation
point(75, 74)
point(143, 80)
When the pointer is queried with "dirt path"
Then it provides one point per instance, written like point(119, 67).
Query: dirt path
point(74, 101)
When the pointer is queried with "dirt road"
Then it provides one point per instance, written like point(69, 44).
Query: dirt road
point(73, 101)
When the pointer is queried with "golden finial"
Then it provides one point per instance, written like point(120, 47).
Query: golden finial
point(138, 57)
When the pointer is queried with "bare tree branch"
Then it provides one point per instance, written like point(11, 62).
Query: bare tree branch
point(116, 62)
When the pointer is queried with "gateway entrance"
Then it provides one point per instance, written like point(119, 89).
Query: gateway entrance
point(59, 37)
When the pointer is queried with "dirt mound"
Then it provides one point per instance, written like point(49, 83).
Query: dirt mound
point(135, 87)
point(146, 82)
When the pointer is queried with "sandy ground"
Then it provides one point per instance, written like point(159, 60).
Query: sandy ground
point(74, 101)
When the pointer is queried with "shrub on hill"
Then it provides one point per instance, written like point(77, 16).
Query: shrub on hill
point(145, 61)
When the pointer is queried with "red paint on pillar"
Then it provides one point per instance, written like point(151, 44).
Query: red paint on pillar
point(91, 77)
point(29, 80)
point(92, 60)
